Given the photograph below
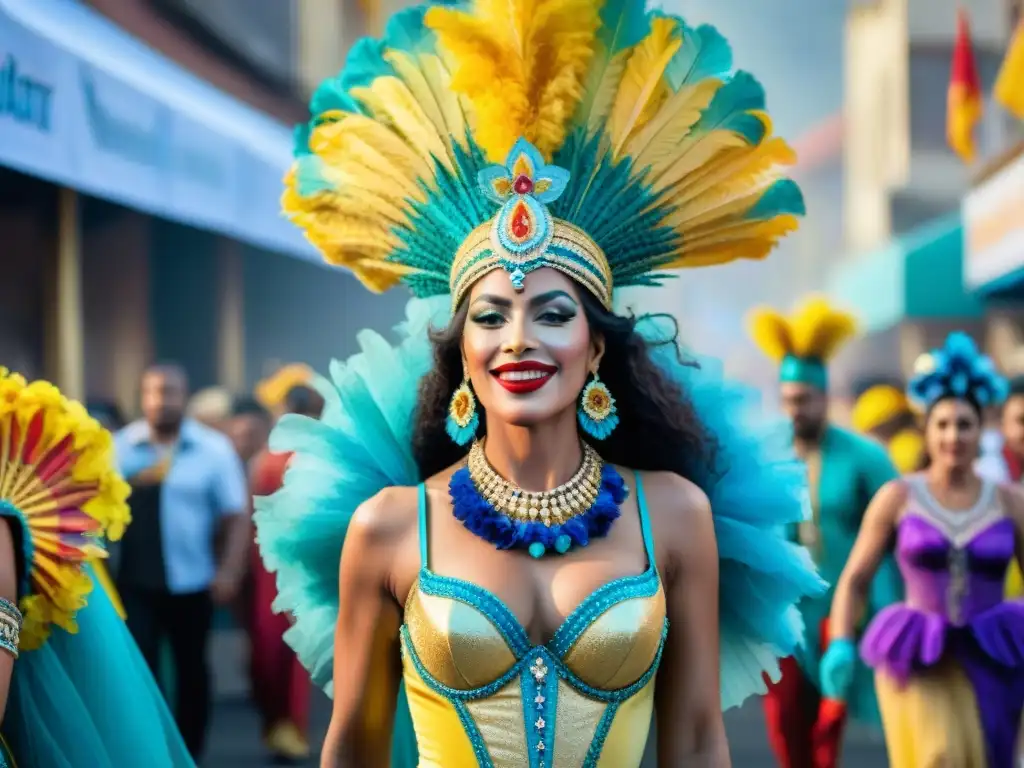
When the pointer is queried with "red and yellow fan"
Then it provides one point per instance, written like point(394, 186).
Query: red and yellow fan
point(57, 479)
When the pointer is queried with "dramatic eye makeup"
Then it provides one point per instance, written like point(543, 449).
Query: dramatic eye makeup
point(552, 307)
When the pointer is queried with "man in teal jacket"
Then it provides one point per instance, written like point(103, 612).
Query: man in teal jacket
point(844, 471)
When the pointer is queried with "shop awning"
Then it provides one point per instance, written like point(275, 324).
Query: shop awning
point(915, 277)
point(86, 105)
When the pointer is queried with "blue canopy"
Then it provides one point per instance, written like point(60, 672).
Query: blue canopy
point(86, 105)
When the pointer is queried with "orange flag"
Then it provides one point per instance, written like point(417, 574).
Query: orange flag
point(1009, 90)
point(963, 100)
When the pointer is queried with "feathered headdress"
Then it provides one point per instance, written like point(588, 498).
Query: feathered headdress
point(58, 482)
point(956, 370)
point(589, 137)
point(804, 343)
point(878, 405)
point(272, 391)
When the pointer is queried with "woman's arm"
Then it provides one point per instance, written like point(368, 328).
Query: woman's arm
point(873, 540)
point(367, 666)
point(8, 591)
point(691, 733)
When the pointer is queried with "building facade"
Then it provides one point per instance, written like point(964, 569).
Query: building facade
point(140, 173)
point(904, 255)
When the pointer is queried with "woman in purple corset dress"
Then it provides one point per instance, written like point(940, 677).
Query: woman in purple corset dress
point(949, 662)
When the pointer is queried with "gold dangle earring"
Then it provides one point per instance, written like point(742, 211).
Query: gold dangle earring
point(597, 414)
point(463, 420)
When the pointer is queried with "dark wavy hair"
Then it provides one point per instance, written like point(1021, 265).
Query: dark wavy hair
point(659, 429)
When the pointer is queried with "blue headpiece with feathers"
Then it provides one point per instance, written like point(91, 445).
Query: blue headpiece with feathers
point(956, 370)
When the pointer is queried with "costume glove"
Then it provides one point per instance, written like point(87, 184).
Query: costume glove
point(836, 670)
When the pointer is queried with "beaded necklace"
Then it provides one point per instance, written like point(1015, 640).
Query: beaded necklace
point(556, 520)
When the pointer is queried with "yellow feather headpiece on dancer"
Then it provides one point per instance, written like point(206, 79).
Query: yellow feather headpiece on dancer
point(805, 342)
point(588, 137)
point(879, 405)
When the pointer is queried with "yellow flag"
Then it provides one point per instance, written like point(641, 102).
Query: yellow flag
point(1009, 90)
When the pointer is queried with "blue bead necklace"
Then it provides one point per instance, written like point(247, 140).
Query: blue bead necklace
point(552, 521)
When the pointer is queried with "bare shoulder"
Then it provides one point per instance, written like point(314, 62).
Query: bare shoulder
point(681, 519)
point(887, 505)
point(385, 520)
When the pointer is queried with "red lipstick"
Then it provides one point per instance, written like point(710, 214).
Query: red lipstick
point(523, 377)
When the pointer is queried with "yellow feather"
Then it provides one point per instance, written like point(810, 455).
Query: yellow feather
point(746, 240)
point(521, 64)
point(768, 229)
point(353, 153)
point(453, 105)
point(391, 102)
point(440, 104)
point(656, 146)
point(695, 153)
point(643, 88)
point(734, 168)
point(602, 84)
point(819, 330)
point(720, 206)
point(771, 333)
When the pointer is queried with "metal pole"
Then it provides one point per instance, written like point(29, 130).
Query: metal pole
point(69, 344)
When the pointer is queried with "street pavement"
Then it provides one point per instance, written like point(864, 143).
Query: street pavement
point(235, 738)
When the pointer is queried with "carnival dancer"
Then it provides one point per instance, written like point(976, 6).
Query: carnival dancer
point(74, 689)
point(949, 662)
point(544, 507)
point(884, 413)
point(844, 472)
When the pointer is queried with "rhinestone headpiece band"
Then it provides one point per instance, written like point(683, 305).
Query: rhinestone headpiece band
point(523, 236)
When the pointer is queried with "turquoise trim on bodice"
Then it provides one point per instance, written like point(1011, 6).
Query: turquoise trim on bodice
point(539, 667)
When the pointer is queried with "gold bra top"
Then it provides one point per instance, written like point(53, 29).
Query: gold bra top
point(481, 694)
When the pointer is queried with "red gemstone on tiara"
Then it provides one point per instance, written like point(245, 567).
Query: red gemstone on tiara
point(521, 222)
point(523, 185)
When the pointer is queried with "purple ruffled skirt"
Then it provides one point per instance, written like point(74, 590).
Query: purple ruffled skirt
point(990, 649)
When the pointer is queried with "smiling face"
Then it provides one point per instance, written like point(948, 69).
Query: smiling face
point(528, 354)
point(952, 434)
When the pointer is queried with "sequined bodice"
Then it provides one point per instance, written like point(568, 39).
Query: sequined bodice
point(954, 563)
point(481, 693)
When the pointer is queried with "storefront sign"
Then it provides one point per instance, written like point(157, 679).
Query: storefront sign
point(994, 226)
point(84, 105)
point(23, 98)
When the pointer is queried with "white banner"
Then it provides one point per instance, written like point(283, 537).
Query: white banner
point(994, 226)
point(141, 140)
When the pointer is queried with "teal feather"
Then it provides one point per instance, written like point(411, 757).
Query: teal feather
point(623, 24)
point(331, 96)
point(705, 53)
point(453, 208)
point(614, 206)
point(781, 198)
point(729, 109)
point(365, 63)
point(300, 140)
point(407, 32)
point(309, 178)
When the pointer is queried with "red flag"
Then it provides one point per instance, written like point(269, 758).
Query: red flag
point(963, 101)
